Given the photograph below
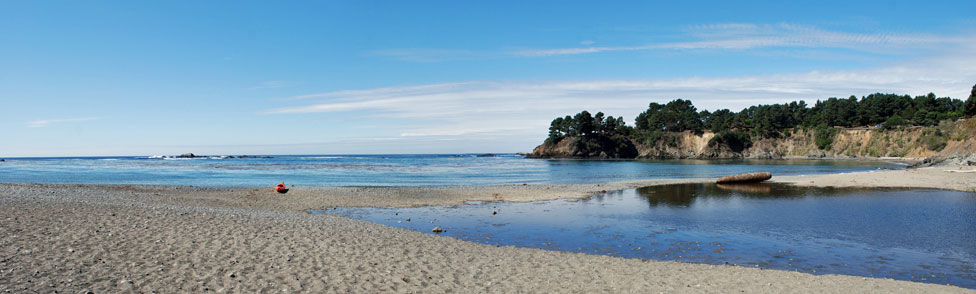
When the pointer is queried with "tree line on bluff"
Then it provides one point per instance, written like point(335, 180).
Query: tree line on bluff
point(737, 129)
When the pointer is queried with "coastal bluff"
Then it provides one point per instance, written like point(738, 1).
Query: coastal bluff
point(950, 140)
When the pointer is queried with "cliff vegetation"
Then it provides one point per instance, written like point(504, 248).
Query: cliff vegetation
point(876, 125)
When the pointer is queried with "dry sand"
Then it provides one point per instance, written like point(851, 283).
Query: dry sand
point(960, 178)
point(69, 238)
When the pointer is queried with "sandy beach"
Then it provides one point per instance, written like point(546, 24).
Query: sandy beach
point(167, 239)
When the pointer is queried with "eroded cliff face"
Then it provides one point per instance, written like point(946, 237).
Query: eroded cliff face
point(950, 140)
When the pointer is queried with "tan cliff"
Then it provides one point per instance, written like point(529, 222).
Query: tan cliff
point(949, 140)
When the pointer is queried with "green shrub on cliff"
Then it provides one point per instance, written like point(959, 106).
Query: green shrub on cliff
point(824, 136)
point(893, 122)
point(934, 140)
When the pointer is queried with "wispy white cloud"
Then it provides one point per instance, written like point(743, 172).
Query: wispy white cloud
point(728, 36)
point(752, 36)
point(45, 122)
point(521, 110)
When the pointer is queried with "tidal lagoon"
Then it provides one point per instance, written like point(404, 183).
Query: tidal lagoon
point(920, 235)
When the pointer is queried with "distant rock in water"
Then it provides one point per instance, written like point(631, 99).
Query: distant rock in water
point(187, 155)
point(252, 156)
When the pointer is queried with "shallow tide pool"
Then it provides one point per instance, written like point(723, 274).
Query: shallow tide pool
point(916, 235)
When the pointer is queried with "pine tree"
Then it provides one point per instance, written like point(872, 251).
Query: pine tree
point(970, 108)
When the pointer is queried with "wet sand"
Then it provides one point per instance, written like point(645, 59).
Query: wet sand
point(72, 238)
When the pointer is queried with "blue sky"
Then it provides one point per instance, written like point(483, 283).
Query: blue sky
point(88, 78)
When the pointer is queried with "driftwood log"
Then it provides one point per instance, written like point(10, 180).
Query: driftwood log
point(745, 178)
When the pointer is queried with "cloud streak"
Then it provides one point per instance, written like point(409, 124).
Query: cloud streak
point(46, 122)
point(729, 36)
point(753, 36)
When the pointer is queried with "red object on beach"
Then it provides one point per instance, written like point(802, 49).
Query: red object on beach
point(280, 188)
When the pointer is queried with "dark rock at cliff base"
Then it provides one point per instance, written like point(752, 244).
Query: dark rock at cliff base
point(597, 146)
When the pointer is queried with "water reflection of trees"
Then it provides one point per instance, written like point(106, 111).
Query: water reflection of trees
point(685, 195)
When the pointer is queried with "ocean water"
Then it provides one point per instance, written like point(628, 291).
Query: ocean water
point(918, 235)
point(391, 170)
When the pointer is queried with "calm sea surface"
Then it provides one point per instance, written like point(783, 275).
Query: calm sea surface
point(390, 170)
point(916, 235)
